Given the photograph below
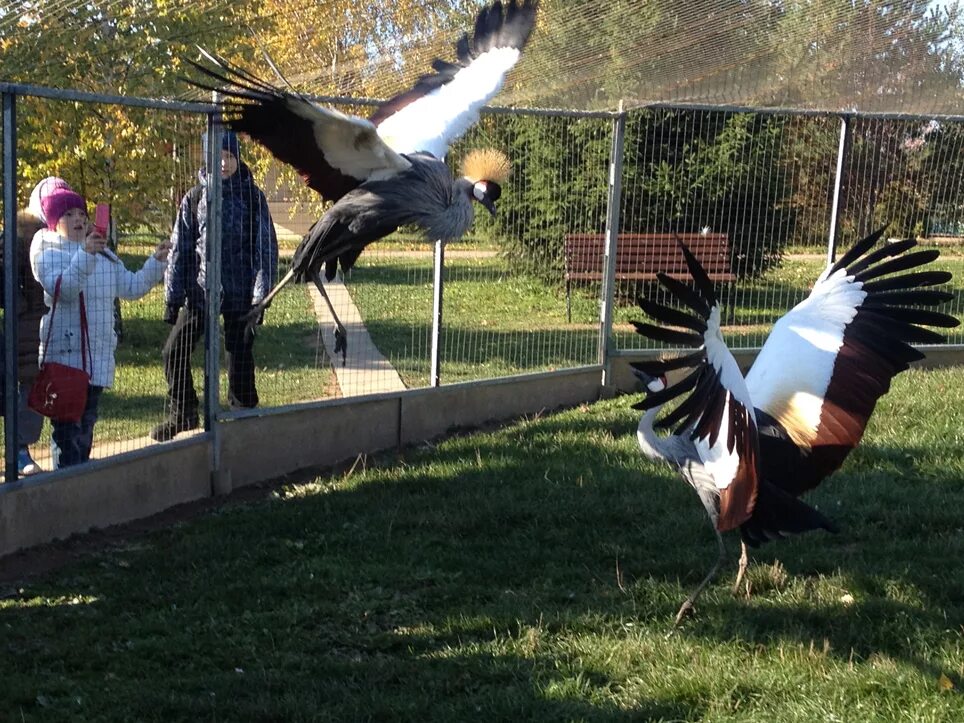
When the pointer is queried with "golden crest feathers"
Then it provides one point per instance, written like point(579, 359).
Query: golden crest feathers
point(486, 164)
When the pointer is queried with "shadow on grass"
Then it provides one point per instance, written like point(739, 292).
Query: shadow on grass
point(465, 583)
point(274, 343)
point(295, 345)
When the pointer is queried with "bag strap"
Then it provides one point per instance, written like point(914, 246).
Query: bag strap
point(50, 323)
point(86, 355)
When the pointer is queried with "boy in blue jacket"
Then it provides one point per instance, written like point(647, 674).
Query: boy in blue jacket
point(249, 263)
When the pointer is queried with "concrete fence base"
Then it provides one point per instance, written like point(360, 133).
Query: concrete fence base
point(267, 444)
point(262, 445)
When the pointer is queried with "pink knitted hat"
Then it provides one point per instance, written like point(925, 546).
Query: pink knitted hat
point(42, 189)
point(58, 203)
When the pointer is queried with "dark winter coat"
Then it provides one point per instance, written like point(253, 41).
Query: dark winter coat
point(249, 247)
point(30, 299)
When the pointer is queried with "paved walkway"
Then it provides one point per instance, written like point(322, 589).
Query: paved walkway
point(365, 369)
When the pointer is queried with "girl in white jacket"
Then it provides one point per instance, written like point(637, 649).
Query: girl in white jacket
point(82, 263)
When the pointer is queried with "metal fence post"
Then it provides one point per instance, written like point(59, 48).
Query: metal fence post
point(437, 294)
point(608, 291)
point(843, 147)
point(212, 306)
point(10, 286)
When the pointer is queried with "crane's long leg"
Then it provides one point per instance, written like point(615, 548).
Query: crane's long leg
point(257, 311)
point(687, 607)
point(741, 570)
point(341, 336)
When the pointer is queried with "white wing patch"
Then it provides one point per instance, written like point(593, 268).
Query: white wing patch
point(435, 120)
point(718, 354)
point(790, 377)
point(350, 144)
point(720, 463)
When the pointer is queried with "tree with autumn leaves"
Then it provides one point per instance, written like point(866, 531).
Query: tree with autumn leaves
point(142, 160)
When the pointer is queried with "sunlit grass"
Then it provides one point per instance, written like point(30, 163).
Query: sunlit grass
point(526, 573)
point(495, 323)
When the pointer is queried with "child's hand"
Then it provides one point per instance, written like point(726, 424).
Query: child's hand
point(94, 243)
point(162, 250)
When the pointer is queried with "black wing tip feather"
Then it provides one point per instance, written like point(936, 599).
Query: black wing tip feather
point(684, 294)
point(703, 284)
point(858, 249)
point(242, 89)
point(657, 367)
point(890, 292)
point(668, 315)
point(669, 336)
point(909, 281)
point(890, 318)
point(654, 399)
point(499, 25)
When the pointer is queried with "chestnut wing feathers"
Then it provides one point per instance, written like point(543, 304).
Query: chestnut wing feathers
point(830, 359)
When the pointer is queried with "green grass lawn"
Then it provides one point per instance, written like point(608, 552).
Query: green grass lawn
point(290, 365)
point(528, 573)
point(495, 323)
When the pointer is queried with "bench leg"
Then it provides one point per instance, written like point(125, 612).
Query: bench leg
point(568, 302)
point(728, 300)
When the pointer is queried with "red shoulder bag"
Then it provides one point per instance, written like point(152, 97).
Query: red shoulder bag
point(60, 391)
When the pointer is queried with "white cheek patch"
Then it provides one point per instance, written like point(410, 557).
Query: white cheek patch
point(657, 385)
point(479, 190)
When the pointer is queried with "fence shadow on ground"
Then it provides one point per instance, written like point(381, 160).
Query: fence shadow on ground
point(441, 584)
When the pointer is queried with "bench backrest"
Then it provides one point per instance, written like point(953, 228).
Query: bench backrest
point(647, 253)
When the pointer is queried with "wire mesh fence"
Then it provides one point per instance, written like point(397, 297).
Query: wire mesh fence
point(765, 183)
point(147, 158)
point(522, 292)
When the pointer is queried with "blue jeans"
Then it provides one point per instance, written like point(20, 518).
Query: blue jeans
point(29, 423)
point(72, 441)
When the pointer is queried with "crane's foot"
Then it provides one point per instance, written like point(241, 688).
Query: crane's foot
point(687, 607)
point(685, 610)
point(254, 318)
point(741, 571)
point(341, 343)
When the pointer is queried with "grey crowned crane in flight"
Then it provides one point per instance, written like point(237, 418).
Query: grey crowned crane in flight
point(751, 446)
point(385, 171)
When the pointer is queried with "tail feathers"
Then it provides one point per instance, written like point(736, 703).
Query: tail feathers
point(778, 514)
point(316, 249)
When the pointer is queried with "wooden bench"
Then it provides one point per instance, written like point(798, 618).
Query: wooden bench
point(639, 256)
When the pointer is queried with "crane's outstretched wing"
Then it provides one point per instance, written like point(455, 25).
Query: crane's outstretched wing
point(827, 361)
point(332, 151)
point(718, 414)
point(440, 107)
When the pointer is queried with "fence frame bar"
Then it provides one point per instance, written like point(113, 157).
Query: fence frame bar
point(438, 293)
point(608, 291)
point(10, 267)
point(843, 150)
point(212, 298)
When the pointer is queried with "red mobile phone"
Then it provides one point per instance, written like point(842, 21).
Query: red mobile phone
point(102, 218)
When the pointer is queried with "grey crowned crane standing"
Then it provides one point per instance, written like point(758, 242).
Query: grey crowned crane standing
point(386, 171)
point(751, 446)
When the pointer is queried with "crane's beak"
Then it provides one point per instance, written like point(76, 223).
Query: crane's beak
point(487, 193)
point(489, 204)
